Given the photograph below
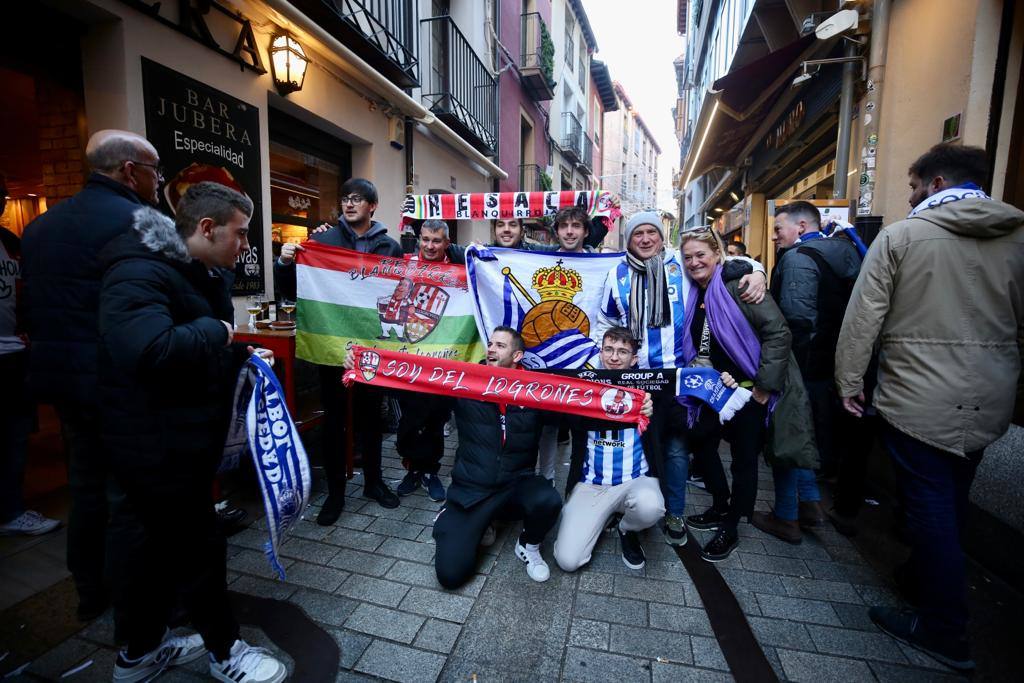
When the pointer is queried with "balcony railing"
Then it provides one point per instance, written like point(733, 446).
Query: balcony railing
point(537, 57)
point(382, 32)
point(572, 137)
point(587, 158)
point(529, 178)
point(459, 88)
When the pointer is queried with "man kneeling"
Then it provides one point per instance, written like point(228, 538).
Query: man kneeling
point(612, 471)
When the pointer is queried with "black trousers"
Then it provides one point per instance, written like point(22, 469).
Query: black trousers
point(745, 433)
point(368, 428)
point(182, 555)
point(458, 530)
point(420, 439)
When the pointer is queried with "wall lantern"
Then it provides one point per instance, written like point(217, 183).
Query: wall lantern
point(289, 62)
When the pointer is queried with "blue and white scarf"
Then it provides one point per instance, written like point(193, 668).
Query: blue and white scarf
point(950, 194)
point(705, 384)
point(262, 424)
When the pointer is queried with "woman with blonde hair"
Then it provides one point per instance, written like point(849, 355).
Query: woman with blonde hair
point(751, 342)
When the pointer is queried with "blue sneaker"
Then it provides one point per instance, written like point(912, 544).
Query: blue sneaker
point(435, 489)
point(410, 482)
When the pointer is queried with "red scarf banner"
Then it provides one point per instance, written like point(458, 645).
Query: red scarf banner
point(562, 394)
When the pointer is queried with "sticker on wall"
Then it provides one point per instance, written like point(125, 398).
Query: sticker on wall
point(863, 178)
point(871, 151)
point(867, 119)
point(870, 106)
point(871, 85)
point(873, 139)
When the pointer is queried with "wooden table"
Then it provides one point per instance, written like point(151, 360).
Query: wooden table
point(282, 343)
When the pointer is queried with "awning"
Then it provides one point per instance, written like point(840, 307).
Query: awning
point(737, 105)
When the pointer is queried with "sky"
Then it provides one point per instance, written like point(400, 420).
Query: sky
point(639, 45)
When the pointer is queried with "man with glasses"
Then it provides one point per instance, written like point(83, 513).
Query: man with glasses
point(61, 271)
point(356, 230)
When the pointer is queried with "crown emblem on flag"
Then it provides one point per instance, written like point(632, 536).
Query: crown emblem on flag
point(557, 283)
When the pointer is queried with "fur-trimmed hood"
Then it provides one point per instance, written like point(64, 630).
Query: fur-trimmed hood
point(158, 234)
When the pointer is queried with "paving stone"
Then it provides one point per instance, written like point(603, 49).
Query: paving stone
point(808, 666)
point(383, 622)
point(667, 570)
point(650, 589)
point(594, 582)
point(651, 643)
point(250, 538)
point(686, 619)
point(587, 633)
point(617, 610)
point(833, 591)
point(424, 517)
point(847, 555)
point(748, 603)
point(841, 571)
point(426, 536)
point(920, 659)
point(351, 646)
point(310, 551)
point(708, 654)
point(773, 564)
point(354, 520)
point(400, 663)
point(61, 658)
point(859, 644)
point(891, 673)
point(395, 527)
point(739, 579)
point(436, 604)
point(588, 665)
point(252, 562)
point(798, 609)
point(854, 616)
point(439, 636)
point(309, 530)
point(357, 540)
point(662, 672)
point(362, 563)
point(808, 550)
point(369, 589)
point(314, 576)
point(407, 550)
point(609, 564)
point(374, 509)
point(876, 596)
point(263, 588)
point(329, 609)
point(424, 575)
point(781, 633)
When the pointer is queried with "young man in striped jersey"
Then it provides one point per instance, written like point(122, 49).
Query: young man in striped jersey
point(612, 471)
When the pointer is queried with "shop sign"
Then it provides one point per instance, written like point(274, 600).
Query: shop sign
point(204, 134)
point(778, 137)
point(191, 20)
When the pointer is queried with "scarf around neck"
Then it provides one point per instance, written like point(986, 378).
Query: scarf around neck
point(648, 294)
point(950, 194)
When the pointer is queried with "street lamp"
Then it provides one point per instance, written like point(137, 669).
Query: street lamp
point(288, 62)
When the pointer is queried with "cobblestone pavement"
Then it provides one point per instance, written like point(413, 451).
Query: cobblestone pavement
point(369, 581)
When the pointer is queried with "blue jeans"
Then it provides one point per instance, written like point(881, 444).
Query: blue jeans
point(792, 485)
point(935, 486)
point(677, 468)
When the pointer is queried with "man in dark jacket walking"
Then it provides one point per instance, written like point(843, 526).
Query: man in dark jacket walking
point(167, 370)
point(61, 274)
point(356, 231)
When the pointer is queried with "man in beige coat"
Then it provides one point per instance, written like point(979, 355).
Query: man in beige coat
point(942, 291)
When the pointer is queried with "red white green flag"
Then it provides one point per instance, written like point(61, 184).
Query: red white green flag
point(346, 297)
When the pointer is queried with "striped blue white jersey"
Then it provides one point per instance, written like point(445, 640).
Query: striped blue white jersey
point(613, 457)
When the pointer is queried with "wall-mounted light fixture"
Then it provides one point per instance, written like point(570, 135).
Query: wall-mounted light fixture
point(288, 61)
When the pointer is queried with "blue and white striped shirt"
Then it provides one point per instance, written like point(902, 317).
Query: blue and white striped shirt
point(613, 457)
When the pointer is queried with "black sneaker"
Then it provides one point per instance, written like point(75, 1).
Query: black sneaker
point(632, 552)
point(380, 492)
point(721, 545)
point(696, 480)
point(705, 521)
point(410, 482)
point(906, 628)
point(331, 510)
point(674, 530)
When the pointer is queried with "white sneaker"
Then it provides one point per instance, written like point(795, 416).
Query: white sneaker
point(29, 523)
point(248, 664)
point(490, 535)
point(173, 651)
point(536, 567)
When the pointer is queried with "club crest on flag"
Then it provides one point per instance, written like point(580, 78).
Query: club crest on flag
point(369, 361)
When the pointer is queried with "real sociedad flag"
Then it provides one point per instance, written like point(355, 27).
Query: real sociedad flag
point(705, 385)
point(568, 349)
point(262, 422)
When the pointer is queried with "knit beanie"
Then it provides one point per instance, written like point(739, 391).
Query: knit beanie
point(643, 218)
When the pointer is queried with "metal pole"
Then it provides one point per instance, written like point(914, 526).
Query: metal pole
point(845, 124)
point(871, 111)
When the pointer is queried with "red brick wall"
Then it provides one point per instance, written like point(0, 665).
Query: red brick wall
point(62, 139)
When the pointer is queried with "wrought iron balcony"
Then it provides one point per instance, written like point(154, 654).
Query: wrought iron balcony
point(458, 87)
point(587, 158)
point(529, 178)
point(537, 58)
point(572, 137)
point(382, 32)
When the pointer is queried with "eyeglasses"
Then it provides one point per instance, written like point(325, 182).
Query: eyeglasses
point(697, 230)
point(157, 168)
point(353, 199)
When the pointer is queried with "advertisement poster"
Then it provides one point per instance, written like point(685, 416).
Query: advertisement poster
point(202, 134)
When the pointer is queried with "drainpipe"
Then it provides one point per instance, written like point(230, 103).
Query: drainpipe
point(871, 109)
point(845, 123)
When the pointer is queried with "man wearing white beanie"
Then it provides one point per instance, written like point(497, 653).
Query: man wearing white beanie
point(646, 292)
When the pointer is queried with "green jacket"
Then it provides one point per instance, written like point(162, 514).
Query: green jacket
point(790, 441)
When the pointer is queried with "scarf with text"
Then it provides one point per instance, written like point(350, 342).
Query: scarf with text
point(504, 386)
point(950, 194)
point(480, 206)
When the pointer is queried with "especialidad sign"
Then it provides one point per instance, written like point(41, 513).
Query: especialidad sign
point(203, 134)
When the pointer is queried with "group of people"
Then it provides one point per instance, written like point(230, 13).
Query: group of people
point(131, 327)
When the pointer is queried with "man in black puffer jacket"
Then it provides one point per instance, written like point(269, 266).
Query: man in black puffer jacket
point(61, 274)
point(356, 230)
point(167, 369)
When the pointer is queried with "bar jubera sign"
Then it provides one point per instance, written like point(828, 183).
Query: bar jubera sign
point(203, 134)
